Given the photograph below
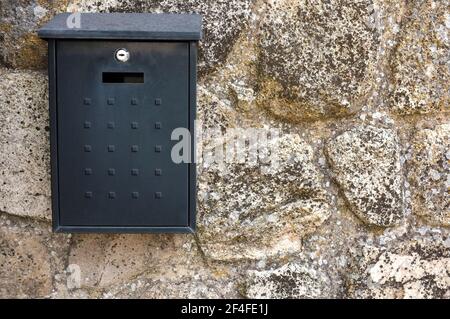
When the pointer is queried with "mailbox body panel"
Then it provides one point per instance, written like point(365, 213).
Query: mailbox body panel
point(132, 186)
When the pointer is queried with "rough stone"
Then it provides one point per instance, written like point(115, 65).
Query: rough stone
point(227, 97)
point(106, 260)
point(24, 163)
point(214, 112)
point(30, 256)
point(201, 285)
point(419, 268)
point(20, 47)
point(314, 56)
point(240, 204)
point(293, 280)
point(353, 73)
point(365, 162)
point(420, 67)
point(430, 174)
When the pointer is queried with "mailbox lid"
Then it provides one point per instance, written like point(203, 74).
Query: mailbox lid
point(124, 26)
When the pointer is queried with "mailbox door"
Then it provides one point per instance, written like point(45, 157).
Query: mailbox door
point(114, 124)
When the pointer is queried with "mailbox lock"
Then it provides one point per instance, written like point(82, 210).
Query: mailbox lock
point(122, 55)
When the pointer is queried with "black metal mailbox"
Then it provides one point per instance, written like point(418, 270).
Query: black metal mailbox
point(119, 85)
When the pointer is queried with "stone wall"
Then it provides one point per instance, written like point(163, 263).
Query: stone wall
point(359, 90)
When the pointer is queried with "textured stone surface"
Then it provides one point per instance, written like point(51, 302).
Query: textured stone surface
point(293, 280)
point(29, 256)
point(419, 268)
point(365, 161)
point(201, 285)
point(105, 260)
point(420, 63)
point(19, 44)
point(359, 93)
point(430, 174)
point(24, 163)
point(240, 205)
point(314, 56)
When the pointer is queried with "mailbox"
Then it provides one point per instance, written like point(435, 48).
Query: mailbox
point(119, 85)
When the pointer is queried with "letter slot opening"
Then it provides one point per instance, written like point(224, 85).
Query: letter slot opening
point(123, 77)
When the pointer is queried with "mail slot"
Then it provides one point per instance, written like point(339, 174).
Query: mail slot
point(119, 85)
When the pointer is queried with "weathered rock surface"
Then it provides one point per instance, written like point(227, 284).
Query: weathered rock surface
point(420, 69)
point(419, 268)
point(430, 174)
point(201, 285)
point(24, 148)
point(365, 162)
point(30, 255)
point(106, 260)
point(314, 56)
point(20, 47)
point(240, 205)
point(307, 68)
point(293, 280)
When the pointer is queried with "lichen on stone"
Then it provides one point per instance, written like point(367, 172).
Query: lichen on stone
point(108, 260)
point(29, 256)
point(241, 204)
point(20, 46)
point(418, 268)
point(314, 56)
point(430, 174)
point(292, 280)
point(25, 163)
point(365, 162)
point(420, 63)
point(358, 91)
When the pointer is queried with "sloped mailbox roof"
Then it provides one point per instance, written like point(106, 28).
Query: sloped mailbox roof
point(125, 26)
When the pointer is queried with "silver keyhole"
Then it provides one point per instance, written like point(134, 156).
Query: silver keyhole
point(122, 55)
